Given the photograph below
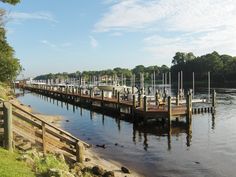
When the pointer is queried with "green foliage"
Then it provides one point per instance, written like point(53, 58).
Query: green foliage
point(222, 67)
point(13, 2)
point(9, 65)
point(11, 167)
point(4, 90)
point(116, 72)
point(43, 165)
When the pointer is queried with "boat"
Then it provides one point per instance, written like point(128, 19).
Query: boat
point(119, 88)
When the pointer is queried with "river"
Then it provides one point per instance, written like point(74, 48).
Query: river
point(209, 149)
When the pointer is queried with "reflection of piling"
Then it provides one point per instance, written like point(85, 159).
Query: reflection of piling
point(189, 135)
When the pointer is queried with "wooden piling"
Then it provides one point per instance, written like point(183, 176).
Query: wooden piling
point(156, 98)
point(113, 92)
point(177, 99)
point(189, 108)
point(102, 95)
point(134, 104)
point(79, 152)
point(140, 99)
point(90, 93)
point(145, 108)
point(132, 89)
point(169, 111)
point(118, 101)
point(213, 98)
point(8, 134)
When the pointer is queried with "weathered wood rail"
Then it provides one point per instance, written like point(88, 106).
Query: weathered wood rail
point(135, 109)
point(18, 123)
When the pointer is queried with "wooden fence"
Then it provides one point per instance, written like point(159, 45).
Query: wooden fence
point(18, 123)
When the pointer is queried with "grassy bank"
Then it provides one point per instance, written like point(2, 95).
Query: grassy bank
point(10, 167)
point(4, 91)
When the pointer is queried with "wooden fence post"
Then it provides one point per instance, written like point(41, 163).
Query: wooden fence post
point(79, 152)
point(43, 138)
point(8, 134)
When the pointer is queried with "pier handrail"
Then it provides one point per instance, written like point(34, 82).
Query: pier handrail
point(50, 125)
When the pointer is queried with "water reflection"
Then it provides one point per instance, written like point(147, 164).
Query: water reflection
point(161, 130)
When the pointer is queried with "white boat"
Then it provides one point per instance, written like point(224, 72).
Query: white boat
point(119, 88)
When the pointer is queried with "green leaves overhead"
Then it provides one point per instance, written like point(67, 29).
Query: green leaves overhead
point(13, 2)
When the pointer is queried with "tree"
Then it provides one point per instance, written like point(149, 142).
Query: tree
point(13, 2)
point(9, 65)
point(181, 57)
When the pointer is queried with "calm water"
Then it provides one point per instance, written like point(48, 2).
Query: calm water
point(209, 149)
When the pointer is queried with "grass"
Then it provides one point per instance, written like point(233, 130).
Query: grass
point(4, 90)
point(10, 167)
point(43, 165)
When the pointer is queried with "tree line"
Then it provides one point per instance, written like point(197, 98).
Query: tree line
point(221, 67)
point(9, 65)
point(116, 72)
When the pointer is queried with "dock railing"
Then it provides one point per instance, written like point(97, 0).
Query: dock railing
point(21, 125)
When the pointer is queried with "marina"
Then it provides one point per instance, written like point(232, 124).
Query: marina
point(138, 108)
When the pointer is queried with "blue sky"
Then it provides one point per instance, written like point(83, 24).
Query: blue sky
point(56, 36)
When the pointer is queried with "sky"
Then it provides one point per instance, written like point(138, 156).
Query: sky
point(67, 36)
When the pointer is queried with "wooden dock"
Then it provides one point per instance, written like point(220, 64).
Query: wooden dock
point(138, 108)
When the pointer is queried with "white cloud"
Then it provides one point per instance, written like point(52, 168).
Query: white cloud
point(184, 15)
point(175, 25)
point(22, 16)
point(47, 43)
point(93, 42)
point(56, 46)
